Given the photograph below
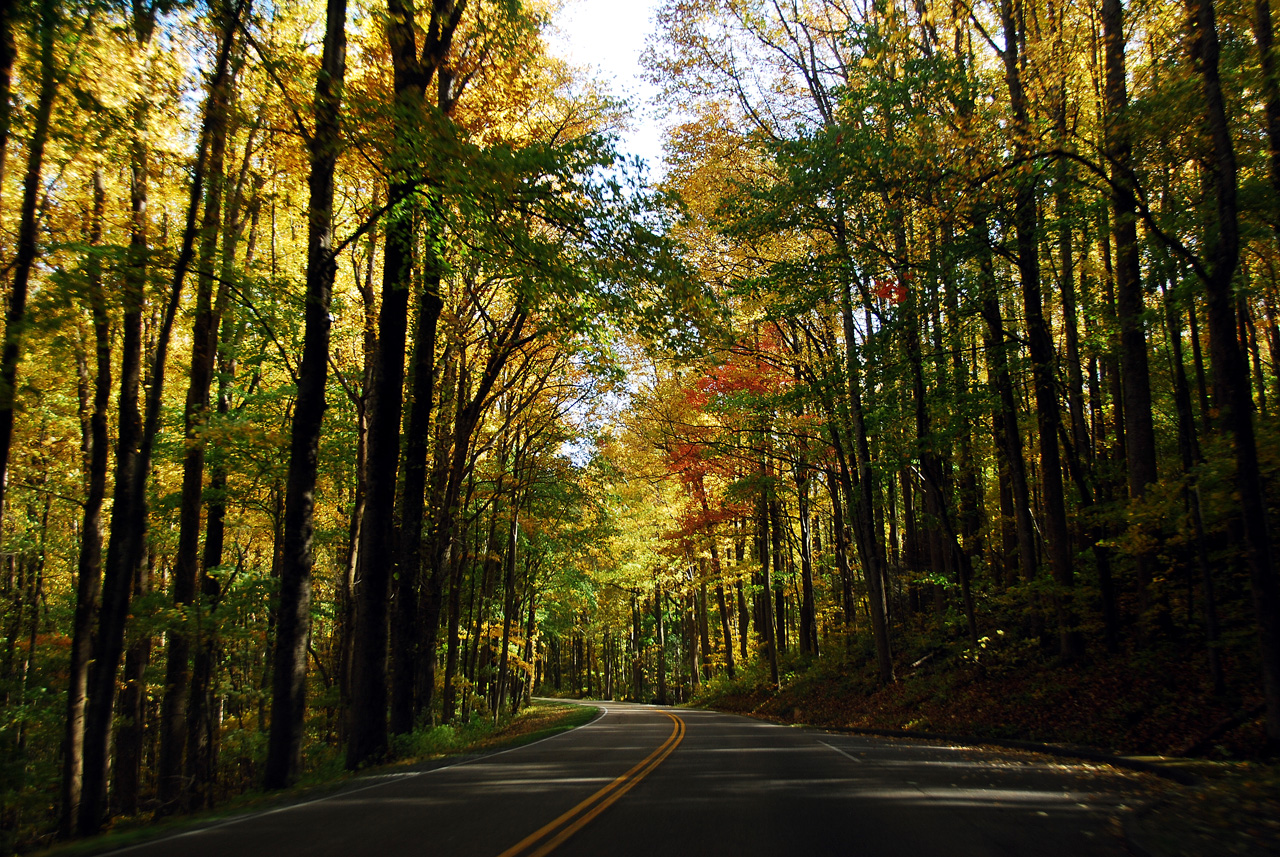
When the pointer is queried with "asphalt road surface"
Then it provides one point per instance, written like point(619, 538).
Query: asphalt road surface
point(645, 780)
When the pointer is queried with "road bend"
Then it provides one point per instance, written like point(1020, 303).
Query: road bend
point(643, 780)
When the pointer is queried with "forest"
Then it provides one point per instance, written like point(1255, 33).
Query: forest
point(355, 385)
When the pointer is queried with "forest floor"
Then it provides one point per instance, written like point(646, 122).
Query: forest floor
point(440, 744)
point(1152, 708)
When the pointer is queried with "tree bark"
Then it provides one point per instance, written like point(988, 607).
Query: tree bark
point(367, 738)
point(28, 228)
point(1230, 369)
point(408, 561)
point(89, 571)
point(8, 55)
point(186, 571)
point(126, 547)
point(1140, 443)
point(288, 704)
point(1043, 357)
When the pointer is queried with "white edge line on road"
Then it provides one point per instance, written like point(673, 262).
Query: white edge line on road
point(841, 752)
point(383, 780)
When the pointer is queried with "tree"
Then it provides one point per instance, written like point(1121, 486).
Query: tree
point(290, 654)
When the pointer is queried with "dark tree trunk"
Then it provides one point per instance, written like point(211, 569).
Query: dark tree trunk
point(126, 547)
point(717, 573)
point(89, 572)
point(808, 610)
point(778, 578)
point(1140, 443)
point(662, 645)
point(863, 513)
point(202, 722)
point(289, 659)
point(841, 540)
point(509, 614)
point(186, 571)
point(408, 566)
point(1230, 369)
point(28, 227)
point(1189, 452)
point(367, 738)
point(764, 608)
point(8, 55)
point(1043, 357)
point(346, 595)
point(126, 772)
point(704, 631)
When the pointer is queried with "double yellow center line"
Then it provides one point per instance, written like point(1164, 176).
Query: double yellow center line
point(555, 833)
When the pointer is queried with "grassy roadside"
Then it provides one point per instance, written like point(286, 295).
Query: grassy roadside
point(539, 721)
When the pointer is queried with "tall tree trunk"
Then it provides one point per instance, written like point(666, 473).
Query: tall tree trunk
point(662, 645)
point(443, 526)
point(1189, 452)
point(1043, 358)
point(89, 571)
point(202, 722)
point(946, 541)
point(841, 539)
point(508, 599)
point(28, 227)
point(408, 561)
point(1140, 443)
point(778, 578)
point(862, 507)
point(8, 55)
point(1230, 369)
point(186, 571)
point(764, 609)
point(346, 589)
point(704, 631)
point(529, 629)
point(288, 703)
point(126, 547)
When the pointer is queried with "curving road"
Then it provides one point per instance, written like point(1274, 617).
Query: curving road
point(641, 780)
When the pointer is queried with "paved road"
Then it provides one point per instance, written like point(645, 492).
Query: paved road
point(642, 780)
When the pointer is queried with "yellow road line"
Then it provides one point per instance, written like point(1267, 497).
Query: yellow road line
point(578, 817)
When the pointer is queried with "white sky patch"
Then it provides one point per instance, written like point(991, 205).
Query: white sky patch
point(608, 36)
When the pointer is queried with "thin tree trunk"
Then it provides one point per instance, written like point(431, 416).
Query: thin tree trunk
point(28, 227)
point(808, 610)
point(8, 55)
point(508, 603)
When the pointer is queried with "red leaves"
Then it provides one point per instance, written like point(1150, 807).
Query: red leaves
point(750, 371)
point(893, 291)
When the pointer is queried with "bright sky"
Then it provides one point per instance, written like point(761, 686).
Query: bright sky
point(609, 36)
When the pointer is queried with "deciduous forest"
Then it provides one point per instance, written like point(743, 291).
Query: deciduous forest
point(354, 386)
